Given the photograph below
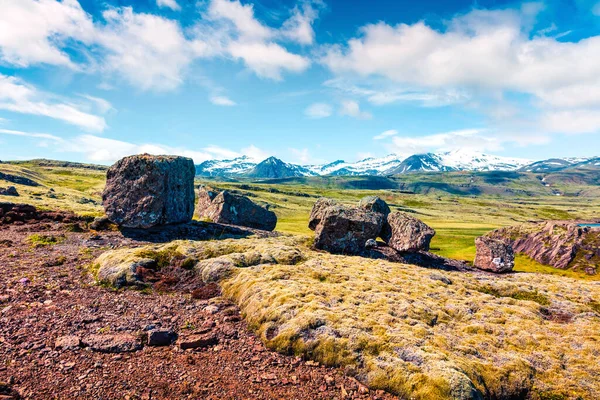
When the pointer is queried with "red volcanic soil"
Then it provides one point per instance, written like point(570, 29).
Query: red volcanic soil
point(46, 294)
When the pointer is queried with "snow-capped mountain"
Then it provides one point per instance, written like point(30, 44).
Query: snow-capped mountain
point(275, 168)
point(367, 166)
point(235, 167)
point(560, 164)
point(457, 160)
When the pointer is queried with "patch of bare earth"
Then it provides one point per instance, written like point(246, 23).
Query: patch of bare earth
point(47, 294)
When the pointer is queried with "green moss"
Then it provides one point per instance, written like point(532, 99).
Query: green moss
point(44, 240)
point(515, 294)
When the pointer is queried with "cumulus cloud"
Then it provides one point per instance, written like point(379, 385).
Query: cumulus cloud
point(222, 101)
point(268, 60)
point(318, 110)
point(172, 4)
point(299, 27)
point(486, 51)
point(149, 51)
point(20, 97)
point(255, 154)
point(386, 134)
point(352, 109)
point(34, 32)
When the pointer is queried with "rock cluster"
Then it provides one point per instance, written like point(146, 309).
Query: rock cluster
point(11, 213)
point(560, 244)
point(144, 191)
point(494, 255)
point(9, 191)
point(351, 230)
point(233, 209)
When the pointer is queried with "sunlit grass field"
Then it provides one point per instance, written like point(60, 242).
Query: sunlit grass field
point(458, 220)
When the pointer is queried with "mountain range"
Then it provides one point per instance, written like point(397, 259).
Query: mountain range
point(457, 160)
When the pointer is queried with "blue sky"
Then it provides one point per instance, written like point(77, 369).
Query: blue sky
point(306, 81)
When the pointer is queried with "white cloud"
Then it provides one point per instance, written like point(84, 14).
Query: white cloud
point(255, 154)
point(33, 32)
point(31, 135)
point(299, 26)
point(241, 16)
point(386, 134)
point(318, 110)
point(472, 139)
point(149, 51)
point(302, 156)
point(484, 52)
point(222, 101)
point(172, 4)
point(19, 97)
point(378, 93)
point(268, 60)
point(572, 121)
point(103, 106)
point(352, 109)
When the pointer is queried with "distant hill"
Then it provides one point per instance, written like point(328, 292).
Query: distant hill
point(275, 168)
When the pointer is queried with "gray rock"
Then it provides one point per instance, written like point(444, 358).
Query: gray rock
point(233, 209)
point(9, 191)
point(493, 255)
point(118, 343)
point(346, 230)
point(143, 191)
point(161, 337)
point(408, 233)
point(371, 243)
point(316, 214)
point(375, 204)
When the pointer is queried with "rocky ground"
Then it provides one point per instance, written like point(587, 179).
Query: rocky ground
point(64, 337)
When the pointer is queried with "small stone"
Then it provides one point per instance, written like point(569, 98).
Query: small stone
point(69, 342)
point(211, 309)
point(198, 341)
point(157, 337)
point(371, 244)
point(118, 343)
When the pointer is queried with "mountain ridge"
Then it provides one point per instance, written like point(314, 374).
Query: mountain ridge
point(392, 164)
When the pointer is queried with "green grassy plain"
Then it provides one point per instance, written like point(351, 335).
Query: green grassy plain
point(441, 200)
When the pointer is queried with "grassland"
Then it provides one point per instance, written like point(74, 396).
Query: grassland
point(441, 200)
point(412, 331)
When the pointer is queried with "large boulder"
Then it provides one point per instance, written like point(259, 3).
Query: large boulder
point(143, 191)
point(494, 255)
point(346, 230)
point(205, 196)
point(376, 204)
point(408, 233)
point(318, 210)
point(233, 209)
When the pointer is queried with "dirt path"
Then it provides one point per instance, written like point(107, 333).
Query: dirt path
point(46, 293)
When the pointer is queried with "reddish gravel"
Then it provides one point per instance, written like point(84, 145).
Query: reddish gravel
point(46, 293)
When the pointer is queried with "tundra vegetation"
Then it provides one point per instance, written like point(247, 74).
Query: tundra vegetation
point(416, 332)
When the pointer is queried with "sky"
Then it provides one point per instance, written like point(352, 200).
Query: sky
point(308, 81)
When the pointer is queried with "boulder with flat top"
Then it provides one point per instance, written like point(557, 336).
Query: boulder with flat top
point(143, 191)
